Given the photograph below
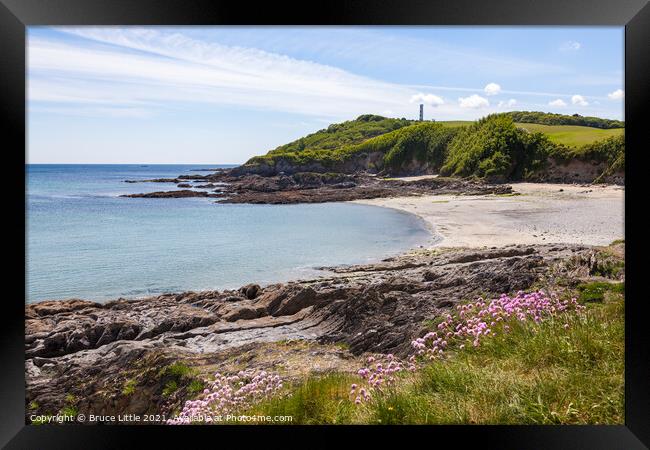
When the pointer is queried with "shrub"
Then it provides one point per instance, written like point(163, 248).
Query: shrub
point(495, 148)
point(129, 388)
point(425, 143)
point(562, 119)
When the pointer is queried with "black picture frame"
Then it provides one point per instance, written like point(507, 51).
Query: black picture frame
point(16, 15)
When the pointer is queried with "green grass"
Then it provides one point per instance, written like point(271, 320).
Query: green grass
point(572, 135)
point(596, 291)
point(170, 387)
point(129, 388)
point(179, 375)
point(177, 370)
point(69, 411)
point(195, 387)
point(317, 400)
point(536, 374)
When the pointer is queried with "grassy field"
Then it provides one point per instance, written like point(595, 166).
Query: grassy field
point(572, 135)
point(544, 373)
point(560, 134)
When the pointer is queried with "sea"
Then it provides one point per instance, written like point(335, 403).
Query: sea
point(85, 241)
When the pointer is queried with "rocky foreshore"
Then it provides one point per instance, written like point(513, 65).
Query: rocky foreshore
point(114, 357)
point(311, 187)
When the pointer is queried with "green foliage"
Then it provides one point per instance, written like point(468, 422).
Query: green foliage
point(426, 143)
point(170, 387)
point(195, 387)
point(69, 410)
point(611, 151)
point(176, 375)
point(129, 388)
point(562, 119)
point(496, 149)
point(177, 370)
point(343, 134)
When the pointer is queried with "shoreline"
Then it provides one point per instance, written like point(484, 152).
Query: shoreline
point(537, 213)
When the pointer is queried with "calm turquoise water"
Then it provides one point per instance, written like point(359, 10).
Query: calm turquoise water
point(84, 241)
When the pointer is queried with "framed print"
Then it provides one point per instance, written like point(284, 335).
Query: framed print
point(343, 217)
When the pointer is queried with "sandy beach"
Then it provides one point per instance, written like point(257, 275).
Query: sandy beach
point(539, 214)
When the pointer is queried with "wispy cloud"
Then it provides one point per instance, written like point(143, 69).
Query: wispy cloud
point(173, 68)
point(507, 103)
point(570, 46)
point(143, 72)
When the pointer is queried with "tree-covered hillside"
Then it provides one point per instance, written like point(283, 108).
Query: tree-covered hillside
point(494, 148)
point(543, 118)
point(339, 135)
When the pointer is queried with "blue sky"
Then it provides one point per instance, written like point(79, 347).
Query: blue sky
point(223, 94)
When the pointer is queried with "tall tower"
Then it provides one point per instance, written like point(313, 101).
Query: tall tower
point(421, 112)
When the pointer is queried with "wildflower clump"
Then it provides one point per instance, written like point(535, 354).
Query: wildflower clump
point(473, 322)
point(379, 372)
point(228, 394)
point(481, 319)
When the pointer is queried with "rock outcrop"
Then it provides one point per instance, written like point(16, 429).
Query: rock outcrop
point(311, 187)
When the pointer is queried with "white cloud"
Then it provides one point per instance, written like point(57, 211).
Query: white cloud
point(558, 102)
point(618, 94)
point(492, 89)
point(198, 72)
point(429, 99)
point(169, 72)
point(570, 46)
point(579, 100)
point(473, 101)
point(507, 104)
